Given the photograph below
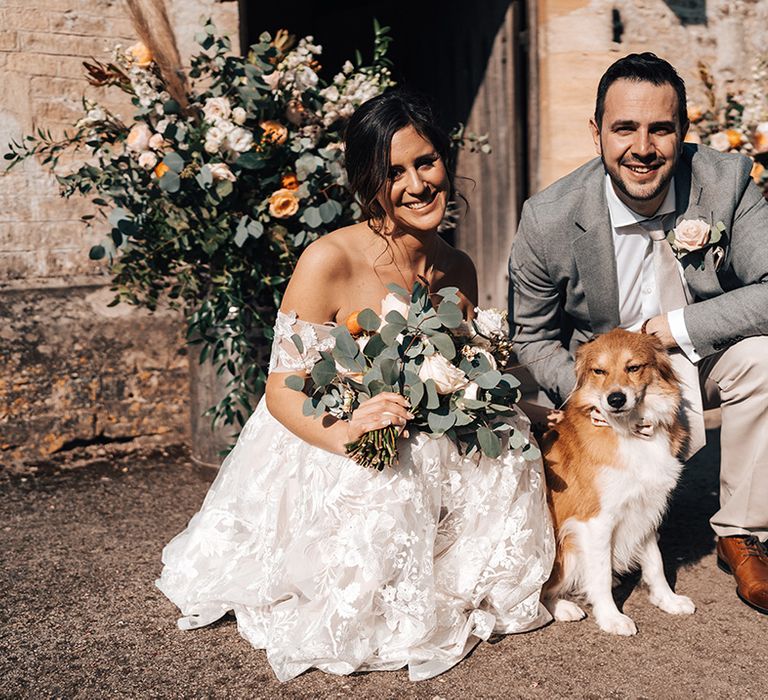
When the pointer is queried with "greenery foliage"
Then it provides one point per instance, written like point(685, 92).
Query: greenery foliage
point(208, 199)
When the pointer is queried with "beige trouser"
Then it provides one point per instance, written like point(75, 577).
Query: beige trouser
point(737, 380)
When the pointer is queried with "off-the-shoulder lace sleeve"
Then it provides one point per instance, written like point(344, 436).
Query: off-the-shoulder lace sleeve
point(285, 355)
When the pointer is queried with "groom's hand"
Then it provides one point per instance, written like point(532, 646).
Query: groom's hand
point(659, 326)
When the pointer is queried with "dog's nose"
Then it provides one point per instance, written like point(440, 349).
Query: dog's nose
point(616, 399)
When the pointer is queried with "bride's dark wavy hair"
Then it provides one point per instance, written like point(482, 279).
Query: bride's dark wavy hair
point(368, 140)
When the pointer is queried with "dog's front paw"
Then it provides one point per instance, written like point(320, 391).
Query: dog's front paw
point(565, 610)
point(674, 604)
point(616, 623)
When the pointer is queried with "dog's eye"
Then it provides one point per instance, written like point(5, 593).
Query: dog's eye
point(634, 368)
point(596, 370)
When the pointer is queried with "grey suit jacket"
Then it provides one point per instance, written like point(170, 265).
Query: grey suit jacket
point(562, 271)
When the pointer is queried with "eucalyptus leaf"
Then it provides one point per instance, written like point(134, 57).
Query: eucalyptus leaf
point(369, 320)
point(433, 400)
point(444, 345)
point(298, 342)
point(489, 442)
point(440, 422)
point(450, 314)
point(390, 372)
point(531, 452)
point(311, 217)
point(174, 161)
point(374, 346)
point(97, 252)
point(295, 382)
point(415, 393)
point(170, 182)
point(324, 372)
point(488, 380)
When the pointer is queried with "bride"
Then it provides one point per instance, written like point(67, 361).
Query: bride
point(330, 565)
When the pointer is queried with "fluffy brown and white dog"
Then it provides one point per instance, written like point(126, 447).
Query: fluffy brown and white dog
point(608, 485)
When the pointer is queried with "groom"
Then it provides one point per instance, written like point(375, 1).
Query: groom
point(590, 255)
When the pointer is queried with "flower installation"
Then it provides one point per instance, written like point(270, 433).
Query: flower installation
point(739, 125)
point(209, 192)
point(453, 374)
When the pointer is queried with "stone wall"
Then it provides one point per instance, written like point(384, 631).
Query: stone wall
point(578, 39)
point(72, 370)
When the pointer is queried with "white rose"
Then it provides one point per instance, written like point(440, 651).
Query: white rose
point(226, 127)
point(221, 171)
point(156, 141)
point(347, 67)
point(240, 139)
point(393, 302)
point(238, 116)
point(471, 391)
point(147, 160)
point(216, 108)
point(720, 142)
point(272, 79)
point(212, 146)
point(491, 323)
point(447, 377)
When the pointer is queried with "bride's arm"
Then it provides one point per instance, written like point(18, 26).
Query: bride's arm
point(313, 293)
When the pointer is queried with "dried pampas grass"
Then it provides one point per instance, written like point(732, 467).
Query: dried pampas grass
point(150, 20)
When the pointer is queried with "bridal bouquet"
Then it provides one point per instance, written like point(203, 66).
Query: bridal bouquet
point(452, 373)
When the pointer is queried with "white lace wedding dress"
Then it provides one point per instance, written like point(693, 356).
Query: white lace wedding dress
point(330, 565)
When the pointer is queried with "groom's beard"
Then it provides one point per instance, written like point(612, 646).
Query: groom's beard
point(640, 193)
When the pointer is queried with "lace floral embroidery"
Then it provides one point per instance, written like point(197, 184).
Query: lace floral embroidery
point(285, 356)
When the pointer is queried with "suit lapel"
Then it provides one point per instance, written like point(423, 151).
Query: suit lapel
point(690, 204)
point(595, 256)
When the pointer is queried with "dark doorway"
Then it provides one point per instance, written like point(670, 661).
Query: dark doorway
point(471, 60)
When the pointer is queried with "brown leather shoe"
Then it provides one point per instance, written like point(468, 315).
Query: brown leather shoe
point(746, 558)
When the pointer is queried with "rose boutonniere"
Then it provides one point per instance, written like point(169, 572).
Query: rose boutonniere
point(692, 235)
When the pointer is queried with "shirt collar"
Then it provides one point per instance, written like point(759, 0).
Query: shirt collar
point(621, 215)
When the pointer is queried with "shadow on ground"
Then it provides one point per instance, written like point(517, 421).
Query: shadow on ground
point(82, 619)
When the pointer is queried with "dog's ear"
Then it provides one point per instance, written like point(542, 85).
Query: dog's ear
point(663, 361)
point(583, 353)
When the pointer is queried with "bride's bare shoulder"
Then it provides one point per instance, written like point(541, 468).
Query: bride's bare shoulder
point(317, 284)
point(459, 271)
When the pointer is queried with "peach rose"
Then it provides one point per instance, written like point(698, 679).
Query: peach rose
point(274, 132)
point(290, 181)
point(761, 138)
point(447, 377)
point(156, 142)
point(139, 54)
point(757, 172)
point(691, 234)
point(138, 138)
point(283, 203)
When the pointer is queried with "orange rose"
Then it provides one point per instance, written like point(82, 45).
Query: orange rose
point(140, 55)
point(160, 170)
point(694, 113)
point(290, 182)
point(692, 136)
point(283, 203)
point(352, 324)
point(757, 172)
point(274, 132)
point(735, 138)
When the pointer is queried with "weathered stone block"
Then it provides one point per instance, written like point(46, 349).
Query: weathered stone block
point(74, 371)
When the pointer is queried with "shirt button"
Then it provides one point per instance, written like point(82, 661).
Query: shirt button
point(647, 290)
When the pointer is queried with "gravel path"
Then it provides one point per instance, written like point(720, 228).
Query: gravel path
point(82, 619)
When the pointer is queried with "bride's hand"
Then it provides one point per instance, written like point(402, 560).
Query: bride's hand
point(378, 412)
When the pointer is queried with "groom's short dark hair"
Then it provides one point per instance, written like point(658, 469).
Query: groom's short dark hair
point(642, 67)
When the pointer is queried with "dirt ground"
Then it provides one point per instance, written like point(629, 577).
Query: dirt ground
point(81, 617)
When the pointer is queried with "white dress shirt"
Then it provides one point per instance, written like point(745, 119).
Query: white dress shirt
point(638, 293)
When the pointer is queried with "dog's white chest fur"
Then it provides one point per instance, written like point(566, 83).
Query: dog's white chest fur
point(634, 493)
